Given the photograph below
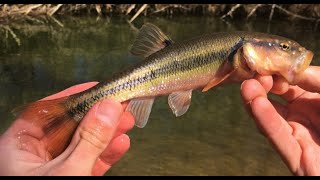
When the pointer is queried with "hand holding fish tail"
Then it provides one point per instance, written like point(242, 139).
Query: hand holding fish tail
point(98, 142)
point(293, 128)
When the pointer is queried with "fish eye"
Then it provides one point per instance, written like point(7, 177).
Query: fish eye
point(284, 46)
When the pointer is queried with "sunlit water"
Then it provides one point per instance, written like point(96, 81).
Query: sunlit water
point(215, 137)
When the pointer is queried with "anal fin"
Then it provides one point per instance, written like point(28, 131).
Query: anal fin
point(140, 109)
point(179, 102)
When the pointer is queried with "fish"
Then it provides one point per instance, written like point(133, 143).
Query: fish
point(175, 69)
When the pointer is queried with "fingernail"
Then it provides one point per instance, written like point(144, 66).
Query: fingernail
point(124, 138)
point(109, 112)
point(242, 84)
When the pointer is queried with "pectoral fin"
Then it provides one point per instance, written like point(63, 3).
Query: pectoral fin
point(179, 102)
point(140, 109)
point(225, 70)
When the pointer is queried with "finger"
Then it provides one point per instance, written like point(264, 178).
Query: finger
point(307, 107)
point(114, 152)
point(281, 109)
point(277, 130)
point(280, 85)
point(250, 89)
point(94, 134)
point(309, 143)
point(265, 81)
point(71, 90)
point(125, 104)
point(310, 80)
point(117, 147)
point(292, 93)
point(126, 124)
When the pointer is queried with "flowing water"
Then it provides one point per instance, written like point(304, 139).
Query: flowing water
point(215, 137)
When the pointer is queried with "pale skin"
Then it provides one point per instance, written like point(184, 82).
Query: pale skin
point(98, 143)
point(292, 128)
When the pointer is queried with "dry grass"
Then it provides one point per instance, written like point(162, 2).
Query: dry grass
point(43, 13)
point(310, 12)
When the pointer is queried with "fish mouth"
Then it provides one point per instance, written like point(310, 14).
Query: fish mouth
point(297, 68)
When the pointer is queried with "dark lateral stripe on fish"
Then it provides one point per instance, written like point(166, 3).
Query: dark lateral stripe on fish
point(171, 68)
point(175, 70)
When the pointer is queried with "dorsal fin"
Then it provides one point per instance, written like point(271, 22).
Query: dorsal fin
point(149, 40)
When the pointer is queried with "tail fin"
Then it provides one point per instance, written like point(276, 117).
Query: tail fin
point(57, 125)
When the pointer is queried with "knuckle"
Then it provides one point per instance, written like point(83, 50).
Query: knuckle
point(93, 136)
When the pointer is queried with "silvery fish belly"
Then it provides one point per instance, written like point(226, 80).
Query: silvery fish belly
point(174, 69)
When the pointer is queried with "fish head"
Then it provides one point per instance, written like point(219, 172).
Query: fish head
point(271, 55)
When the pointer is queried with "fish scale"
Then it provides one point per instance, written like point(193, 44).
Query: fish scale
point(203, 55)
point(174, 69)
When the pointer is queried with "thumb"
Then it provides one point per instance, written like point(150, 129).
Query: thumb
point(94, 134)
point(310, 80)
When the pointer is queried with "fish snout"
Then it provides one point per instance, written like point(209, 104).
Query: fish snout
point(292, 75)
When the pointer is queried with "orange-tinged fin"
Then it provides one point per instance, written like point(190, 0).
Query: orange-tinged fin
point(179, 102)
point(225, 70)
point(149, 40)
point(57, 125)
point(140, 109)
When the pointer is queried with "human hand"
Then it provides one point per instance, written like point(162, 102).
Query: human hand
point(293, 128)
point(96, 145)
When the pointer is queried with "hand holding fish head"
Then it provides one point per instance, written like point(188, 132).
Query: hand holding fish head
point(278, 55)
